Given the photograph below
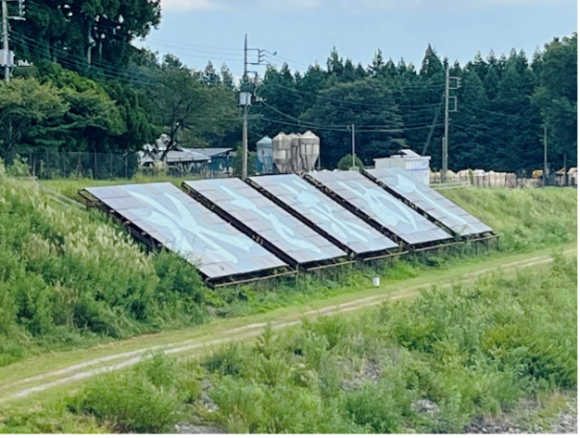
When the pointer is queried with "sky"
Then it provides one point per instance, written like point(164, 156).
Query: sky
point(303, 32)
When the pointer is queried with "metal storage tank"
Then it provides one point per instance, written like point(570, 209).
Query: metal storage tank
point(264, 152)
point(282, 152)
point(309, 150)
point(296, 164)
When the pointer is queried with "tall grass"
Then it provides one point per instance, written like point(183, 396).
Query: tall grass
point(429, 366)
point(470, 351)
point(526, 219)
point(69, 277)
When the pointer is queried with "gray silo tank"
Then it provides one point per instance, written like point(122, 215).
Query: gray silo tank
point(296, 163)
point(309, 150)
point(265, 155)
point(282, 152)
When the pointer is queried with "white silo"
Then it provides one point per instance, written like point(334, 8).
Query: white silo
point(282, 152)
point(264, 151)
point(309, 150)
point(296, 164)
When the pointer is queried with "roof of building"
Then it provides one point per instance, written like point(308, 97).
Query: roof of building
point(210, 152)
point(176, 157)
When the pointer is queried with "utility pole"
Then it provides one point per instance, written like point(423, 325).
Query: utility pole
point(5, 41)
point(7, 57)
point(445, 151)
point(565, 170)
point(353, 148)
point(245, 128)
point(545, 172)
point(246, 100)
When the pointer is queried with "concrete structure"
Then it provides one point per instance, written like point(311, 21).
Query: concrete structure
point(410, 161)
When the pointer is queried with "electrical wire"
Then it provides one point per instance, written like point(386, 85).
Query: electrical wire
point(78, 64)
point(319, 96)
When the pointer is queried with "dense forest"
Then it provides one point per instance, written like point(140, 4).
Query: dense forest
point(81, 85)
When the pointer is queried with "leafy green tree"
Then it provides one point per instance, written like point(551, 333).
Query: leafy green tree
point(71, 32)
point(491, 83)
point(431, 64)
point(227, 77)
point(210, 76)
point(186, 107)
point(375, 69)
point(556, 97)
point(367, 104)
point(345, 163)
point(28, 110)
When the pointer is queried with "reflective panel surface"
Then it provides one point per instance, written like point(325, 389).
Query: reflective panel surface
point(430, 201)
point(327, 214)
point(266, 219)
point(186, 227)
point(384, 208)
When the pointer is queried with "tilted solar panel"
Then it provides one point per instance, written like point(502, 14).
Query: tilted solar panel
point(309, 202)
point(255, 212)
point(428, 200)
point(380, 206)
point(186, 227)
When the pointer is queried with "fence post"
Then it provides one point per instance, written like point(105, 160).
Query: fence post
point(126, 167)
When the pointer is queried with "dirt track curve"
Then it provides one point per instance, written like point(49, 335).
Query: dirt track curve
point(24, 387)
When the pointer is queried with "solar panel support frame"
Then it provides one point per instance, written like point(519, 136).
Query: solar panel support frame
point(426, 215)
point(153, 244)
point(309, 266)
point(372, 255)
point(404, 245)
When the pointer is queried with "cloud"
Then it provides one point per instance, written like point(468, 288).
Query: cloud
point(210, 5)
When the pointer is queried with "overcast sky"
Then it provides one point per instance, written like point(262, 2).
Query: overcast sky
point(304, 31)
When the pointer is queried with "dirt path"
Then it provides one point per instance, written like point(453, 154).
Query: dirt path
point(21, 388)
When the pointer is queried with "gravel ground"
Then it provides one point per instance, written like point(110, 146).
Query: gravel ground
point(522, 421)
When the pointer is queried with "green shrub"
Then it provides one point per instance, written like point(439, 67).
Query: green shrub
point(345, 162)
point(144, 400)
point(471, 350)
point(69, 277)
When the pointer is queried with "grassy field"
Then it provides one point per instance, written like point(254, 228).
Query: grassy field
point(429, 365)
point(58, 264)
point(69, 187)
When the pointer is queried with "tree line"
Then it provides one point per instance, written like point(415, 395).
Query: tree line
point(87, 88)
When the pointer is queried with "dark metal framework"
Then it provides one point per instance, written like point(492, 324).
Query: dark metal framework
point(404, 245)
point(239, 225)
point(153, 244)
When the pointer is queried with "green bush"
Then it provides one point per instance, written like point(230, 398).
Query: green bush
point(69, 277)
point(472, 350)
point(144, 400)
point(345, 162)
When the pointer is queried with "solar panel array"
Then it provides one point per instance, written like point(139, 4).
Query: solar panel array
point(232, 229)
point(317, 208)
point(430, 201)
point(382, 207)
point(184, 226)
point(267, 220)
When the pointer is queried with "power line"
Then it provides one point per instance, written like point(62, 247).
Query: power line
point(318, 95)
point(78, 63)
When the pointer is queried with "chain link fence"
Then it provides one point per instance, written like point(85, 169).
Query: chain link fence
point(94, 165)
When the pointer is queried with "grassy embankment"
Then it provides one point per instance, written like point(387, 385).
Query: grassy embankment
point(429, 365)
point(70, 278)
